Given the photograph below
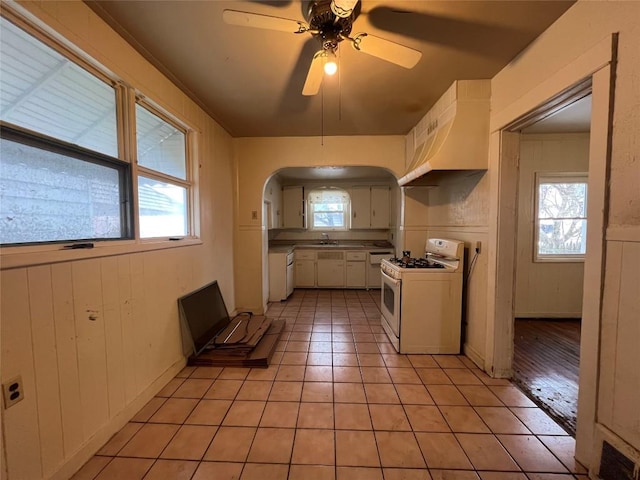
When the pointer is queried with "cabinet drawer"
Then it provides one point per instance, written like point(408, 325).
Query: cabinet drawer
point(357, 256)
point(305, 255)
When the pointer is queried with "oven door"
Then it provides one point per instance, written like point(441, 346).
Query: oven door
point(390, 307)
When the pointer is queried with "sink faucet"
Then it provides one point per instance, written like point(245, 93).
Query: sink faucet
point(325, 238)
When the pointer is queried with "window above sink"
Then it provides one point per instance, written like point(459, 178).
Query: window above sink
point(328, 210)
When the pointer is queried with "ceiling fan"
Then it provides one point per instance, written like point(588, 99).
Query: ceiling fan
point(330, 21)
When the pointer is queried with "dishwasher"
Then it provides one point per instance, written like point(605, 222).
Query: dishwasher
point(374, 277)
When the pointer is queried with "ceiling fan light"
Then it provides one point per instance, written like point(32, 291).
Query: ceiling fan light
point(330, 62)
point(331, 67)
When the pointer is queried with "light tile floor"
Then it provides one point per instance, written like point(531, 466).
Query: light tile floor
point(337, 403)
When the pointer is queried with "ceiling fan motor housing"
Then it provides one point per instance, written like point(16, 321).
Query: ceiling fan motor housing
point(331, 28)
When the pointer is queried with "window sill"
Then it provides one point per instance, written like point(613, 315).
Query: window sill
point(29, 256)
point(559, 259)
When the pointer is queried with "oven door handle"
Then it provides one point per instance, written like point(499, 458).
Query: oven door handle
point(392, 280)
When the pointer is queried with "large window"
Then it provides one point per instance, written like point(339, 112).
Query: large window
point(60, 178)
point(561, 216)
point(67, 171)
point(329, 209)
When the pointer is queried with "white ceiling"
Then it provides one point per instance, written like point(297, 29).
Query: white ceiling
point(574, 118)
point(250, 80)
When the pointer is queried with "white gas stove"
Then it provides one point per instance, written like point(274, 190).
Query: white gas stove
point(422, 298)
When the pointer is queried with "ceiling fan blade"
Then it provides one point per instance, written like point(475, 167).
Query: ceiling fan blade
point(255, 20)
point(387, 50)
point(314, 76)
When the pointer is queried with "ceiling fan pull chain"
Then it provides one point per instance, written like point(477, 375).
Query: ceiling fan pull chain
point(339, 91)
point(322, 115)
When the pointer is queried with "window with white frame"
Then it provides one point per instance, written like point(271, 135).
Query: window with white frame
point(163, 184)
point(560, 216)
point(329, 209)
point(67, 170)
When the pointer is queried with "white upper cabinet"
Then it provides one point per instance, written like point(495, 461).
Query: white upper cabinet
point(361, 207)
point(370, 207)
point(380, 207)
point(293, 207)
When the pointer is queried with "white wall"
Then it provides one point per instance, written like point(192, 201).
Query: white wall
point(95, 338)
point(546, 289)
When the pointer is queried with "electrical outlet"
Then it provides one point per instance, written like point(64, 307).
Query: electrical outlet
point(254, 214)
point(12, 391)
point(478, 246)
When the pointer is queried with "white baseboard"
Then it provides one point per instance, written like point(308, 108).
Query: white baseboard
point(473, 355)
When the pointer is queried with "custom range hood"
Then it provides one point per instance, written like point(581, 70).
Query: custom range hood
point(452, 137)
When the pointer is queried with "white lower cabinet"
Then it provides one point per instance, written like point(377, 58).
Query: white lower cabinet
point(305, 262)
point(356, 273)
point(330, 267)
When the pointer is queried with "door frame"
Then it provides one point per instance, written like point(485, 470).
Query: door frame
point(598, 65)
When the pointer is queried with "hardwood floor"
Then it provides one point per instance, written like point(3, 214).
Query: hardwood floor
point(546, 364)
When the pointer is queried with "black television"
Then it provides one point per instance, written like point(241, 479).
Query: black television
point(205, 314)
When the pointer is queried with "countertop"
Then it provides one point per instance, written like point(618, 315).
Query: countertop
point(286, 247)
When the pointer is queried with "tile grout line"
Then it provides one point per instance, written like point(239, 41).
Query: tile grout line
point(336, 314)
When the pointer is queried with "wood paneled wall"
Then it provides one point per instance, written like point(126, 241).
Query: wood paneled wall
point(619, 393)
point(88, 338)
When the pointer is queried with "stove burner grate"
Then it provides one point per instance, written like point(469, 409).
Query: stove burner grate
point(415, 263)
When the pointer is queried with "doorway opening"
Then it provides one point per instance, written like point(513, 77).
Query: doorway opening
point(553, 171)
point(594, 70)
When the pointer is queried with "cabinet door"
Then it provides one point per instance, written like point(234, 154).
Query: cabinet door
point(380, 207)
point(356, 274)
point(331, 273)
point(305, 273)
point(293, 206)
point(361, 207)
